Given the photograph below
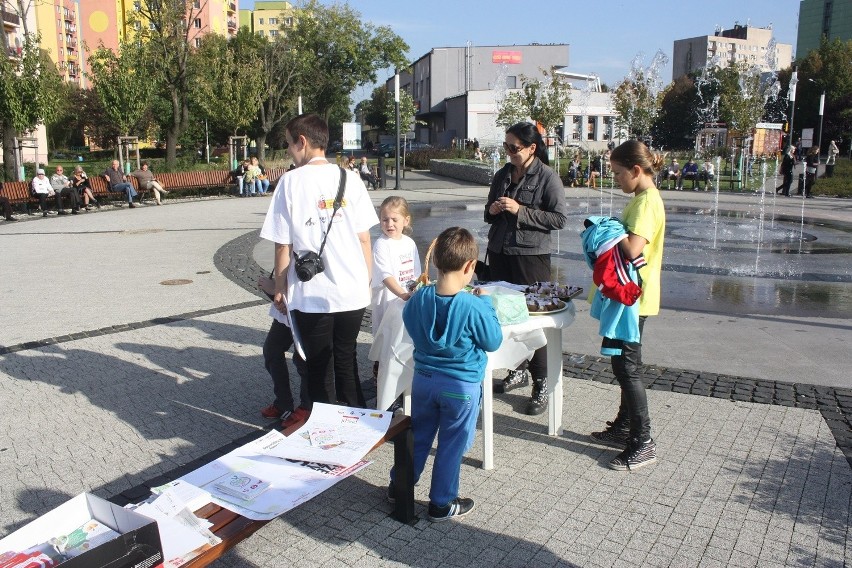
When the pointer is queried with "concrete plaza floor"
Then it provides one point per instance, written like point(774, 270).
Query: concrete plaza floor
point(115, 370)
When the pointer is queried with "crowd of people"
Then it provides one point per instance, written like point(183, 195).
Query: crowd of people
point(327, 273)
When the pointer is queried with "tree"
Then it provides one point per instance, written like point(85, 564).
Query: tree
point(830, 71)
point(167, 31)
point(123, 84)
point(374, 109)
point(30, 87)
point(407, 110)
point(636, 97)
point(544, 101)
point(338, 52)
point(742, 97)
point(279, 70)
point(678, 120)
point(228, 82)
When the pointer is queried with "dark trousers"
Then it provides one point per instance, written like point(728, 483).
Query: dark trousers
point(329, 341)
point(7, 207)
point(634, 402)
point(42, 201)
point(524, 269)
point(73, 198)
point(278, 341)
point(785, 184)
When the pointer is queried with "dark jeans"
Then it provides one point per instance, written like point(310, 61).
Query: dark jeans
point(329, 341)
point(787, 181)
point(42, 201)
point(634, 402)
point(278, 341)
point(524, 269)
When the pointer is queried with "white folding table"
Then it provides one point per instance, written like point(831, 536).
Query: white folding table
point(393, 349)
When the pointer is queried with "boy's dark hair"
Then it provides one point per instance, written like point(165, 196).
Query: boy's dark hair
point(312, 127)
point(453, 248)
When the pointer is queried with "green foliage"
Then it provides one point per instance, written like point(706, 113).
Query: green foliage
point(123, 84)
point(831, 72)
point(228, 81)
point(338, 52)
point(407, 110)
point(636, 104)
point(677, 122)
point(544, 101)
point(30, 87)
point(741, 98)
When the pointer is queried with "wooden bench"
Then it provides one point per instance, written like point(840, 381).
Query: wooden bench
point(101, 190)
point(19, 193)
point(232, 527)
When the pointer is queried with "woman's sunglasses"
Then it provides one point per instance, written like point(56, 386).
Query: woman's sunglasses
point(512, 148)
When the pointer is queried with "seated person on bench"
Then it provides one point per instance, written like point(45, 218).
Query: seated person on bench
point(367, 175)
point(118, 182)
point(689, 171)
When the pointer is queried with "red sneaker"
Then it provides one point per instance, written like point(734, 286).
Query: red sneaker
point(298, 416)
point(271, 411)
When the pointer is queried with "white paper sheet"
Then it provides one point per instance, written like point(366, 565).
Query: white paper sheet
point(347, 435)
point(292, 482)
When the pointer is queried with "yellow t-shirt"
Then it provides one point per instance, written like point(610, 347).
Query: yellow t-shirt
point(644, 216)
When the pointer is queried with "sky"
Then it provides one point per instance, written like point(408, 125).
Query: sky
point(604, 37)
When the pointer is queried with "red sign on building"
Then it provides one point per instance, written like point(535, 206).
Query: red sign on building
point(510, 57)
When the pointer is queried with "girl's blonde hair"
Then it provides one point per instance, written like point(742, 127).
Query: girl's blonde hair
point(635, 153)
point(400, 203)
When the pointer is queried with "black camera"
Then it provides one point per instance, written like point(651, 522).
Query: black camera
point(308, 265)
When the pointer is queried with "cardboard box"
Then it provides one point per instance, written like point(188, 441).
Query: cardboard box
point(137, 547)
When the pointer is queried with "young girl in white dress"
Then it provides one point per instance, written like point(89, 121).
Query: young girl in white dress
point(395, 258)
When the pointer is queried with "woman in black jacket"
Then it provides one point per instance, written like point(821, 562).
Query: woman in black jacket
point(526, 202)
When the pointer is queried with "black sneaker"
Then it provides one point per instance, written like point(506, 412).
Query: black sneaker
point(514, 380)
point(638, 454)
point(616, 435)
point(458, 507)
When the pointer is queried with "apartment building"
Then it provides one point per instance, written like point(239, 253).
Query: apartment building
point(818, 18)
point(268, 17)
point(751, 46)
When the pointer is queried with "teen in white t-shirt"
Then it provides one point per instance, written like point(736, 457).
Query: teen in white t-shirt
point(326, 310)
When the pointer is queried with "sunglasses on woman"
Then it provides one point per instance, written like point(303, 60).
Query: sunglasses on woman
point(512, 148)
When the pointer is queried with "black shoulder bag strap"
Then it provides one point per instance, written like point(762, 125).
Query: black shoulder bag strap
point(338, 201)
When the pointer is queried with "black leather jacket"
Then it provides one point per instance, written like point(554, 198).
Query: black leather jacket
point(542, 198)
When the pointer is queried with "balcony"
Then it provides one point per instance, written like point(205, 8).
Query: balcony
point(11, 19)
point(232, 7)
point(232, 25)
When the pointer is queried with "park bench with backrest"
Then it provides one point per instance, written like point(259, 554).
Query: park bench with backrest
point(197, 183)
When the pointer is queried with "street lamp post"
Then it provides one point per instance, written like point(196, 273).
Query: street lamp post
point(396, 112)
point(821, 111)
point(791, 97)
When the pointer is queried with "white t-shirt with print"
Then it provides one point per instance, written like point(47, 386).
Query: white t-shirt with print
point(299, 215)
point(396, 258)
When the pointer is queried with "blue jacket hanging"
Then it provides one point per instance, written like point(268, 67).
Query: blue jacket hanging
point(617, 281)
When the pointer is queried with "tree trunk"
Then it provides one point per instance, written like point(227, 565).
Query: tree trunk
point(171, 147)
point(9, 135)
point(261, 147)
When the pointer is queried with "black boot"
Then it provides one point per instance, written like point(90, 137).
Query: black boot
point(538, 401)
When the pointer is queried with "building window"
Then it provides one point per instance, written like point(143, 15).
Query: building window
point(152, 26)
point(273, 21)
point(591, 128)
point(608, 127)
point(197, 23)
point(137, 6)
point(260, 32)
point(273, 33)
point(196, 4)
point(260, 21)
point(288, 21)
point(137, 25)
point(575, 128)
point(198, 42)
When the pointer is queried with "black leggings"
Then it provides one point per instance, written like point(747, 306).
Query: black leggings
point(634, 401)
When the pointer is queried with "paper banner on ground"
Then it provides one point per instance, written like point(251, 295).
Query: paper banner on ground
point(337, 435)
point(293, 482)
